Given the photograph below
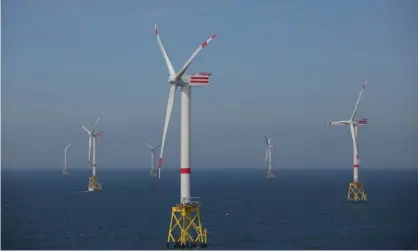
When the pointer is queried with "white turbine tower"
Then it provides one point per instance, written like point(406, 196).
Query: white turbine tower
point(267, 159)
point(186, 206)
point(65, 171)
point(152, 172)
point(94, 184)
point(356, 190)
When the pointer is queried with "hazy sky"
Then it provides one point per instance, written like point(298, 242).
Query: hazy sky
point(281, 68)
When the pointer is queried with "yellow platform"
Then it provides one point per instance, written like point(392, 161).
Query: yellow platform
point(186, 230)
point(153, 173)
point(94, 184)
point(356, 192)
point(270, 175)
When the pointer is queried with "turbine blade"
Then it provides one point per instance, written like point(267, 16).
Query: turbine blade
point(358, 99)
point(157, 146)
point(170, 103)
point(167, 60)
point(69, 144)
point(97, 121)
point(146, 143)
point(189, 61)
point(85, 129)
point(353, 135)
point(267, 141)
point(343, 122)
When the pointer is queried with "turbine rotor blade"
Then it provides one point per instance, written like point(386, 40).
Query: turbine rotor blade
point(85, 129)
point(69, 144)
point(163, 52)
point(267, 141)
point(146, 143)
point(170, 103)
point(97, 121)
point(338, 123)
point(189, 61)
point(358, 99)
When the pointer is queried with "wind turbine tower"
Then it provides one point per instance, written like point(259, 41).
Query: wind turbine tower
point(267, 159)
point(153, 171)
point(94, 184)
point(65, 171)
point(186, 230)
point(356, 191)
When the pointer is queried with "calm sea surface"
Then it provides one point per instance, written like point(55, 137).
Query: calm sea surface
point(300, 209)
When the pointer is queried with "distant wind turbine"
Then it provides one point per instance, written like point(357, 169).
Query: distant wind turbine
point(153, 171)
point(94, 180)
point(65, 171)
point(267, 159)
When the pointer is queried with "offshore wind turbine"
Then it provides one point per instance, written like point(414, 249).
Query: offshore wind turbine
point(267, 159)
point(356, 191)
point(94, 184)
point(187, 212)
point(65, 171)
point(153, 171)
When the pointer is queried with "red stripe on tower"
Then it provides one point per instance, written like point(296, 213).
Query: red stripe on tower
point(355, 166)
point(185, 170)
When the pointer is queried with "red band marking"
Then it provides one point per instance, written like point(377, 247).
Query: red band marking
point(160, 162)
point(184, 170)
point(199, 77)
point(199, 82)
point(355, 165)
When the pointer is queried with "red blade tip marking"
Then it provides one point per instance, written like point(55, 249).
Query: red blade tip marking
point(155, 28)
point(160, 161)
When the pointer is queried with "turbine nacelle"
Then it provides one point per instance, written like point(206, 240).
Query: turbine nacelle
point(192, 80)
point(99, 134)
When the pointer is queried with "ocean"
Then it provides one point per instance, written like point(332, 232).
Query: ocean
point(300, 209)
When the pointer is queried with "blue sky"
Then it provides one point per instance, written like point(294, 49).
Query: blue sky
point(281, 68)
